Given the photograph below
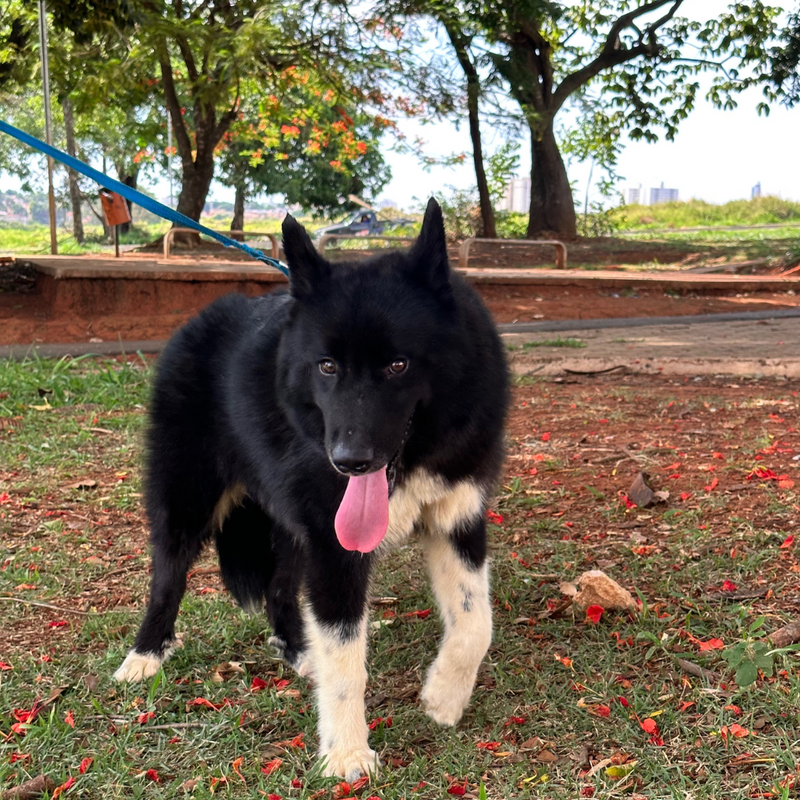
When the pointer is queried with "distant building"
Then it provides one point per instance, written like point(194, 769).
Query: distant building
point(662, 195)
point(517, 196)
point(755, 191)
point(635, 196)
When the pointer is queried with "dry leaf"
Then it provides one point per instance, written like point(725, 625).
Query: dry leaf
point(85, 483)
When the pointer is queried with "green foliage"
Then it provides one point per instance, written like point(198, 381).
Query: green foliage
point(511, 224)
point(784, 63)
point(17, 36)
point(307, 143)
point(501, 167)
point(698, 213)
point(461, 213)
point(750, 657)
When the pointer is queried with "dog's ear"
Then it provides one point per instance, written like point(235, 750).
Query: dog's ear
point(429, 253)
point(308, 270)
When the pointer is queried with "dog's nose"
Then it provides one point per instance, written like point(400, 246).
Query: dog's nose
point(351, 461)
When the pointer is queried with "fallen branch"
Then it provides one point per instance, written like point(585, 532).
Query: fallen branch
point(594, 371)
point(29, 790)
point(46, 605)
point(697, 670)
point(785, 636)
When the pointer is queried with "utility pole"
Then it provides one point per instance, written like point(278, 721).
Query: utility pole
point(48, 129)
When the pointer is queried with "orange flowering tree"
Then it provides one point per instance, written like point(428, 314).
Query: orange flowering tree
point(307, 142)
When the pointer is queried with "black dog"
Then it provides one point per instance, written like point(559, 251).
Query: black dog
point(309, 431)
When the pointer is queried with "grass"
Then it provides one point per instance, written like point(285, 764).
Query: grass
point(559, 696)
point(698, 213)
point(557, 342)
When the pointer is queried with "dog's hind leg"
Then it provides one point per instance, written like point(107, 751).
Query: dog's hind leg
point(177, 539)
point(336, 629)
point(460, 578)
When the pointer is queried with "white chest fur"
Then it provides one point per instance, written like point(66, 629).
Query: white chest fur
point(429, 501)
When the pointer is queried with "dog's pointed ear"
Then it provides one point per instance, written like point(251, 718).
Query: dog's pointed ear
point(308, 270)
point(429, 253)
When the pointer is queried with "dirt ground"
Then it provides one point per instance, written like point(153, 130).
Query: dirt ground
point(577, 442)
point(25, 318)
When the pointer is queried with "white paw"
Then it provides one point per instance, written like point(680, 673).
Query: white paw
point(138, 666)
point(343, 762)
point(302, 663)
point(446, 694)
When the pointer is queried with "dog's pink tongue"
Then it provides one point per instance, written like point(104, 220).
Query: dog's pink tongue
point(363, 516)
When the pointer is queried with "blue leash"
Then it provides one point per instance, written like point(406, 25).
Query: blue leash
point(137, 197)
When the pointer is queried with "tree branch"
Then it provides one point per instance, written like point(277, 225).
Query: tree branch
point(173, 105)
point(613, 53)
point(625, 21)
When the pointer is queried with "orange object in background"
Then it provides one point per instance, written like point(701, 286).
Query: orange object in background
point(115, 209)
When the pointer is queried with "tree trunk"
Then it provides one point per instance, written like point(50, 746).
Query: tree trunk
point(237, 223)
point(460, 44)
point(194, 188)
point(74, 188)
point(552, 208)
point(488, 229)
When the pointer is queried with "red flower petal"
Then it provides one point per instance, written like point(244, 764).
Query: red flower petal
point(85, 764)
point(729, 586)
point(59, 790)
point(271, 766)
point(152, 775)
point(70, 719)
point(649, 726)
point(787, 543)
point(593, 614)
point(457, 788)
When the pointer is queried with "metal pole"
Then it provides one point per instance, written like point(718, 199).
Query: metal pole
point(169, 156)
point(48, 129)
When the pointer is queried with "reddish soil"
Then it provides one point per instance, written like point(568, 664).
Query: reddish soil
point(145, 312)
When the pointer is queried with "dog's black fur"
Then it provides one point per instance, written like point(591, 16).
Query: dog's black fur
point(240, 400)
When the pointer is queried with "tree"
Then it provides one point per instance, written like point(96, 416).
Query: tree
point(17, 35)
point(783, 65)
point(206, 51)
point(308, 143)
point(641, 57)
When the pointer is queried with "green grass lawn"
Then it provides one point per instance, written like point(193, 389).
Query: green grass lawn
point(563, 708)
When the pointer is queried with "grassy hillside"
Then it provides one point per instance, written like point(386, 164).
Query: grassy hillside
point(698, 213)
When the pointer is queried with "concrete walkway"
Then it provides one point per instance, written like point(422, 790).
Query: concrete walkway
point(763, 347)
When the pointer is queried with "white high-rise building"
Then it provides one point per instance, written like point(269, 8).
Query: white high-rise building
point(635, 195)
point(755, 191)
point(662, 195)
point(517, 196)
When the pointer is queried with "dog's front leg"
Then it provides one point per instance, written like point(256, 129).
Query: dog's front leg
point(336, 626)
point(459, 574)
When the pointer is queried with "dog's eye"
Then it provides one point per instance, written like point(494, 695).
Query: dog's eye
point(327, 366)
point(397, 366)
